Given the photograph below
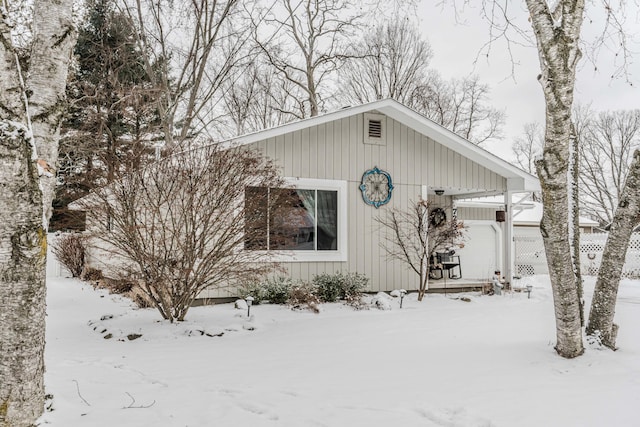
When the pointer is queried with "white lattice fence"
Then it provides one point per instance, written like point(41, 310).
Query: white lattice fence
point(530, 257)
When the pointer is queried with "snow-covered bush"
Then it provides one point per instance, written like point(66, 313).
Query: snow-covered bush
point(328, 286)
point(382, 301)
point(303, 296)
point(274, 290)
point(253, 289)
point(340, 286)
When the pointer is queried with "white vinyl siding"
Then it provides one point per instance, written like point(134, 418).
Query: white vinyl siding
point(335, 151)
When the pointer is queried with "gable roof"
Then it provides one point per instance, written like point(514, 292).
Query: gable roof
point(517, 179)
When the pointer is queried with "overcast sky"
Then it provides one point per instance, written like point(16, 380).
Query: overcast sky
point(456, 47)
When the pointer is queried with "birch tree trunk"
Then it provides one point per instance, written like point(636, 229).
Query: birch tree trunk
point(557, 33)
point(53, 43)
point(23, 244)
point(575, 208)
point(625, 218)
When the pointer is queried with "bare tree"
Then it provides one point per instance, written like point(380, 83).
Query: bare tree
point(391, 61)
point(556, 31)
point(462, 106)
point(306, 41)
point(626, 217)
point(259, 99)
point(528, 146)
point(178, 224)
point(416, 236)
point(31, 109)
point(190, 51)
point(606, 150)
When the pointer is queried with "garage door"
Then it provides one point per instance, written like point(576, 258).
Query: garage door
point(480, 256)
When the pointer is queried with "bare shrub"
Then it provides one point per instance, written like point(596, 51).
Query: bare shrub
point(91, 274)
point(302, 296)
point(416, 234)
point(70, 250)
point(179, 223)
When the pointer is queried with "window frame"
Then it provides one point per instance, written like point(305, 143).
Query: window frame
point(315, 255)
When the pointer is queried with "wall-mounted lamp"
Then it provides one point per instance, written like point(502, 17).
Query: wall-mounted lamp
point(439, 192)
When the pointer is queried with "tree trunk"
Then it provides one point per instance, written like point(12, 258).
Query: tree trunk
point(23, 249)
point(23, 244)
point(557, 34)
point(575, 197)
point(51, 51)
point(606, 291)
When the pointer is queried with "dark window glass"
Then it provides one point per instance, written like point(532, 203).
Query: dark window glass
point(327, 220)
point(291, 219)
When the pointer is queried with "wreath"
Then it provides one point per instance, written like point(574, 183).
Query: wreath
point(437, 217)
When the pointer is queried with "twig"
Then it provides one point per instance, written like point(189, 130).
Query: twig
point(78, 390)
point(133, 400)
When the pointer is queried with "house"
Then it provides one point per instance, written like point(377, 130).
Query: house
point(352, 165)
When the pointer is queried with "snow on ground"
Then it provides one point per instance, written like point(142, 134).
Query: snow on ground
point(441, 362)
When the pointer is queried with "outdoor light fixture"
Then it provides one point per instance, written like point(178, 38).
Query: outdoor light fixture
point(529, 287)
point(439, 192)
point(402, 294)
point(249, 301)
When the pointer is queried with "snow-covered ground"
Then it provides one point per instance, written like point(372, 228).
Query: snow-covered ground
point(441, 362)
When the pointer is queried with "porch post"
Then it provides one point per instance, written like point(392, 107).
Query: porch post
point(508, 237)
point(425, 273)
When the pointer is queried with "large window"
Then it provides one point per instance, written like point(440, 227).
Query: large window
point(302, 220)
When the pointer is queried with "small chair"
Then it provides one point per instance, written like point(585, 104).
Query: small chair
point(448, 261)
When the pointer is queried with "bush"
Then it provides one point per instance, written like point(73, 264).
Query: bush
point(91, 274)
point(70, 250)
point(119, 286)
point(303, 296)
point(275, 290)
point(254, 289)
point(339, 286)
point(354, 285)
point(328, 286)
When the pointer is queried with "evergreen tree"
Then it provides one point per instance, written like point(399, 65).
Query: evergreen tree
point(112, 121)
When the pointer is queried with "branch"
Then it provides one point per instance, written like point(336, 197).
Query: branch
point(133, 401)
point(79, 395)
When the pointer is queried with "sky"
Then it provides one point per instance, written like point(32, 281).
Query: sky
point(456, 44)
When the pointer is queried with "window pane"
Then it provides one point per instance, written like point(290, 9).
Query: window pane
point(292, 222)
point(255, 223)
point(327, 220)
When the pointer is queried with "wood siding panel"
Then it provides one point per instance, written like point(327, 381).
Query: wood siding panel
point(336, 151)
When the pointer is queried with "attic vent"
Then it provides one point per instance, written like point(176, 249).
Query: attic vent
point(375, 128)
point(374, 132)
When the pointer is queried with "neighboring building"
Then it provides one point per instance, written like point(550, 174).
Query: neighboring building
point(353, 165)
point(527, 214)
point(528, 249)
